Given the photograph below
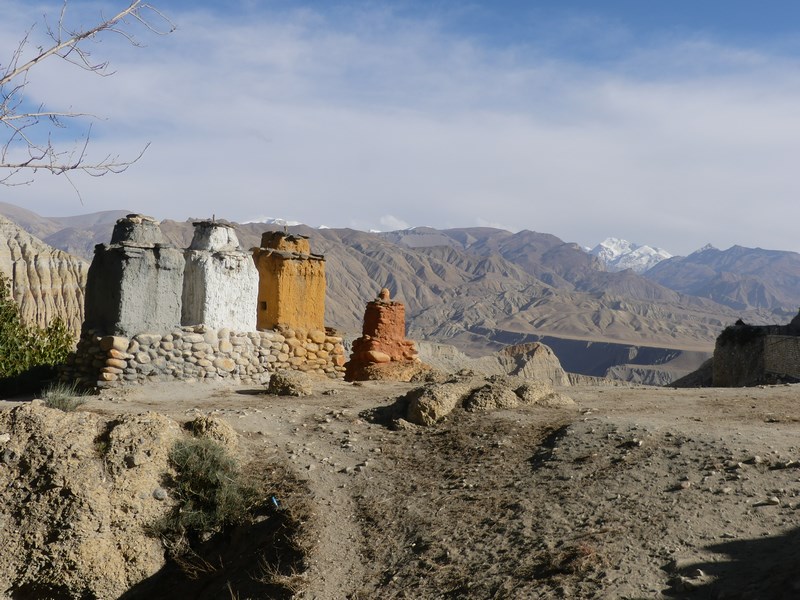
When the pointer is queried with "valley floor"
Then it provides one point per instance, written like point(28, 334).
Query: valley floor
point(634, 492)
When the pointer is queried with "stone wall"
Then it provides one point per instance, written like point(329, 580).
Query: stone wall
point(739, 364)
point(199, 354)
point(782, 357)
point(757, 354)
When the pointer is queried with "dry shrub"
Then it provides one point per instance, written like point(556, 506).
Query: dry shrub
point(64, 396)
point(210, 494)
point(579, 559)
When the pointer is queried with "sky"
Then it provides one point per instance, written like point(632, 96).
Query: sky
point(673, 124)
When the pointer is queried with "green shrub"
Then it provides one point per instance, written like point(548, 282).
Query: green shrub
point(63, 396)
point(27, 353)
point(209, 490)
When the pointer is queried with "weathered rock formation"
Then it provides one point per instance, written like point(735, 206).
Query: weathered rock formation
point(382, 351)
point(753, 355)
point(432, 402)
point(531, 361)
point(46, 283)
point(135, 283)
point(291, 290)
point(220, 281)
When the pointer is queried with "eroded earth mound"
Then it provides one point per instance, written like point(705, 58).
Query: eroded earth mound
point(78, 491)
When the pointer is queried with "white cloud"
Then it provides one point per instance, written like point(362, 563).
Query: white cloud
point(678, 144)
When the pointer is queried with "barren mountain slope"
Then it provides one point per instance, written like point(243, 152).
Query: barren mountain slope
point(46, 283)
point(738, 277)
point(34, 224)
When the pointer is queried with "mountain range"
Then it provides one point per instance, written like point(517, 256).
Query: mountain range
point(482, 288)
point(619, 255)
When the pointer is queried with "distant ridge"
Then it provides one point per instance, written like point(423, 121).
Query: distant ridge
point(740, 278)
point(482, 289)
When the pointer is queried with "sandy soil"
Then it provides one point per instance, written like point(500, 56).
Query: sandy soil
point(632, 493)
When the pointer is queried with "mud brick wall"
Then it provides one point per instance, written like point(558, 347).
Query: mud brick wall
point(194, 354)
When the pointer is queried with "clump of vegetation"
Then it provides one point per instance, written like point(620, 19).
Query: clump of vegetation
point(210, 490)
point(239, 531)
point(28, 354)
point(63, 396)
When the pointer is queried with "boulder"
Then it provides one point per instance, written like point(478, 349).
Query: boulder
point(289, 383)
point(491, 396)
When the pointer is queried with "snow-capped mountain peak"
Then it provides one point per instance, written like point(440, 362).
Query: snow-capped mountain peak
point(704, 249)
point(618, 255)
point(272, 221)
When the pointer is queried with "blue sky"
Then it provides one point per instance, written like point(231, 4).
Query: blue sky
point(668, 123)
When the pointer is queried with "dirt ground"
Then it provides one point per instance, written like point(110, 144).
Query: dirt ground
point(635, 492)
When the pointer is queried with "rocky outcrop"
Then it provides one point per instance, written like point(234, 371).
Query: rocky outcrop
point(46, 283)
point(429, 404)
point(532, 361)
point(382, 351)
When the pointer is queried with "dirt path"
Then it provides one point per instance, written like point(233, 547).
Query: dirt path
point(632, 493)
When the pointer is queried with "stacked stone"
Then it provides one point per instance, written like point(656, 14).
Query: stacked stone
point(196, 353)
point(383, 343)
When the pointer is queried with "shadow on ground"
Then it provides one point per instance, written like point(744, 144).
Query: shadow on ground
point(760, 568)
point(255, 561)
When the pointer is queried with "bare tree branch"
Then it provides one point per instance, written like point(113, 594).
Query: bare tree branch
point(29, 146)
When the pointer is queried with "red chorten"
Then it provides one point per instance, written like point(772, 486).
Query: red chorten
point(383, 340)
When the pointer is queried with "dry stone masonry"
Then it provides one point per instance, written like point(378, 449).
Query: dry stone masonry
point(195, 353)
point(156, 313)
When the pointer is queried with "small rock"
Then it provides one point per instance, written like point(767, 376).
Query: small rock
point(773, 501)
point(10, 457)
point(5, 438)
point(696, 573)
point(160, 493)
